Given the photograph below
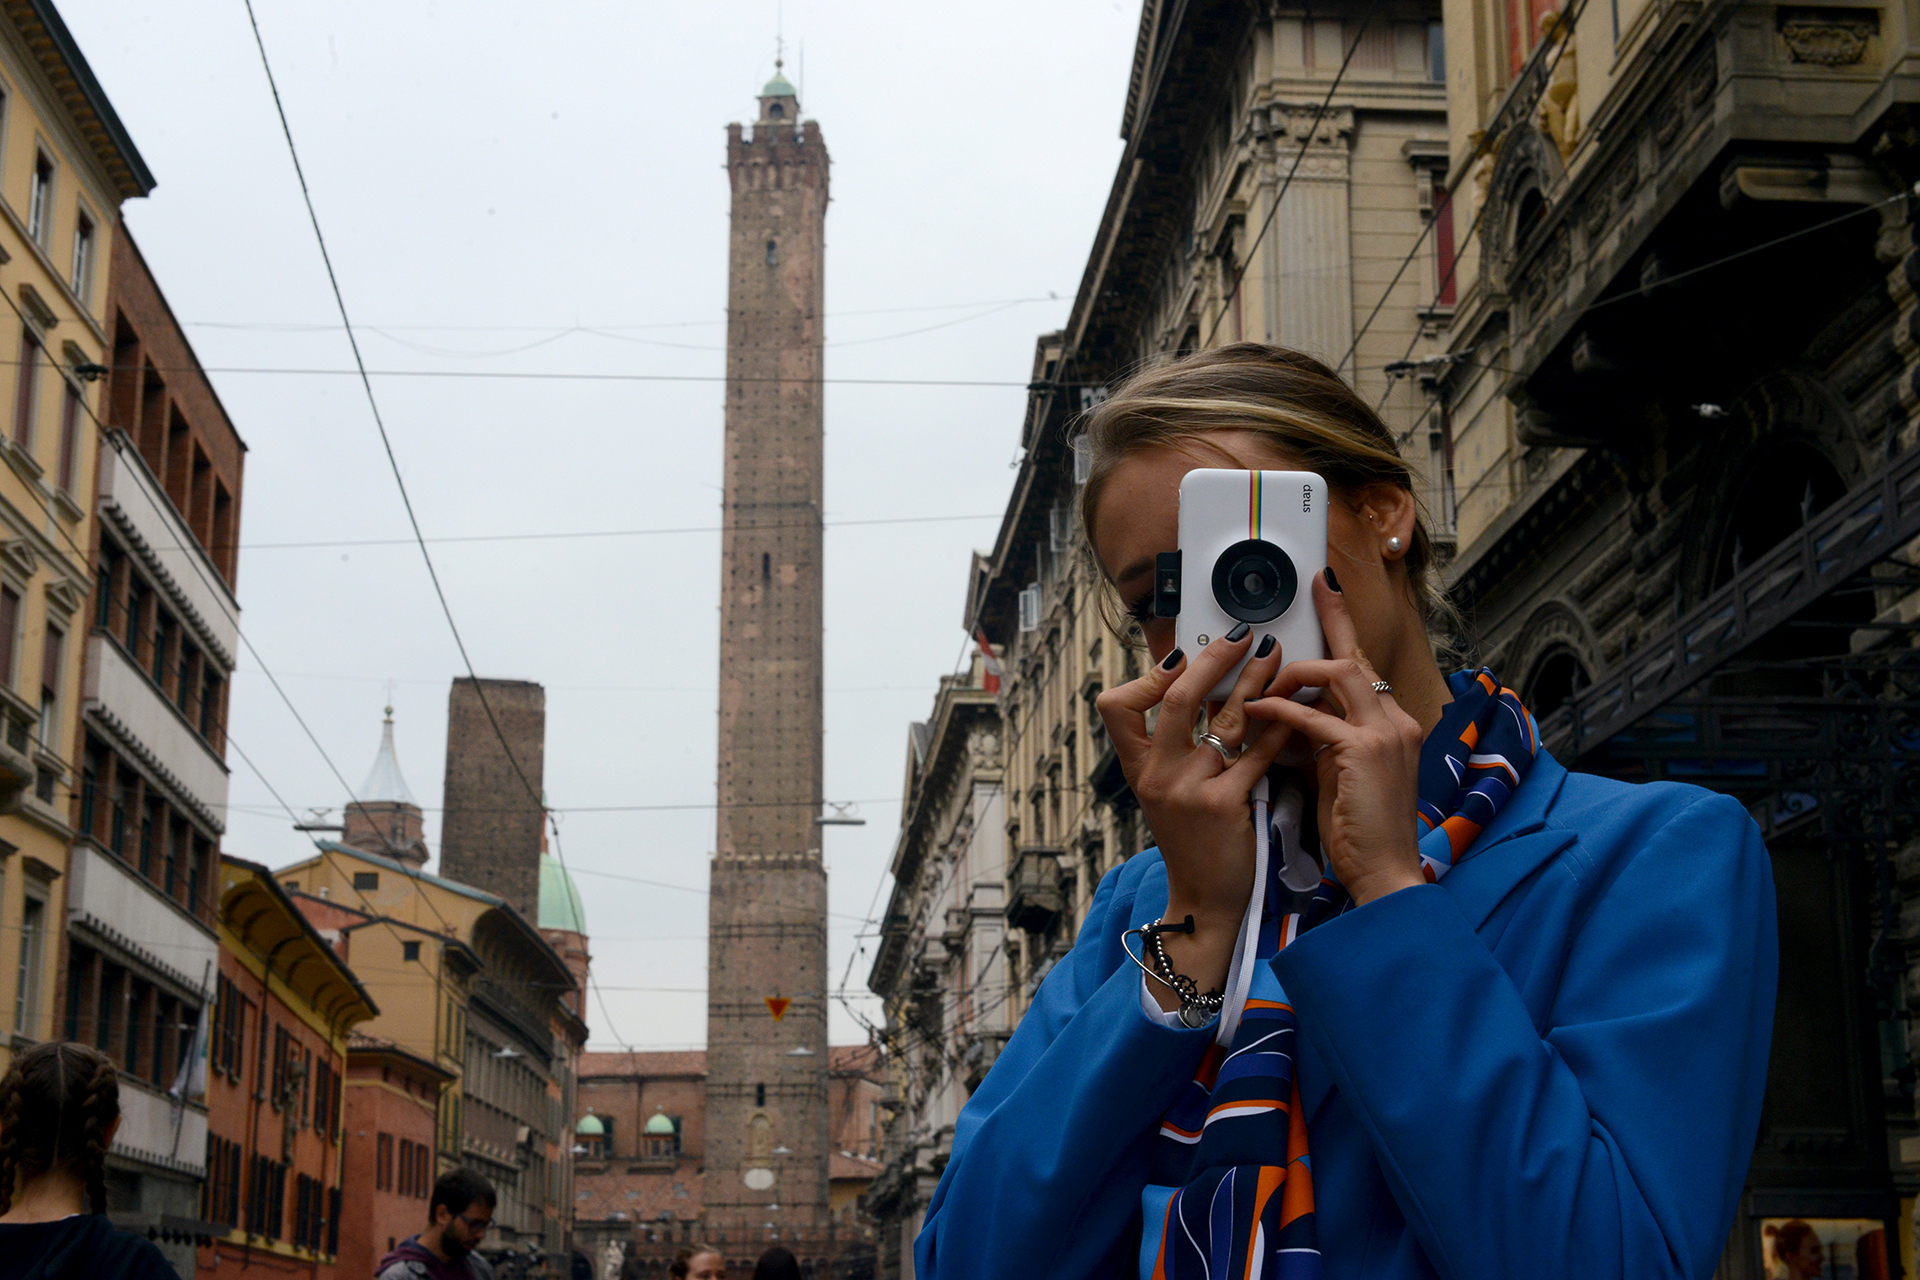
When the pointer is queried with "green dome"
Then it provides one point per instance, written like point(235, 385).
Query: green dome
point(559, 901)
point(590, 1126)
point(660, 1126)
point(778, 87)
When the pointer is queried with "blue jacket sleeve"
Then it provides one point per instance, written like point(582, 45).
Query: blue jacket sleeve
point(1598, 1127)
point(1050, 1154)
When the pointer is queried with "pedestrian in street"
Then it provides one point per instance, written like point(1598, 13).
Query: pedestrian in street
point(1489, 1018)
point(776, 1264)
point(459, 1213)
point(59, 1110)
point(698, 1262)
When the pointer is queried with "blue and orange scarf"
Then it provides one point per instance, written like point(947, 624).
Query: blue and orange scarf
point(1223, 1208)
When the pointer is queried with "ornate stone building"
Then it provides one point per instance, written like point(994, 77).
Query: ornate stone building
point(942, 965)
point(1680, 408)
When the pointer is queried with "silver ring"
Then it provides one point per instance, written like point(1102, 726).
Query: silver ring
point(1381, 686)
point(1227, 754)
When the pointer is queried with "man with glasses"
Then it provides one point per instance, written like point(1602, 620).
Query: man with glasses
point(461, 1210)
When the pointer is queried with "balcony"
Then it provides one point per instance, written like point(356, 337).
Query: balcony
point(109, 900)
point(125, 701)
point(1036, 889)
point(153, 1132)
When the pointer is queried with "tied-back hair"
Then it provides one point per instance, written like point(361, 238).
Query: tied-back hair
point(1305, 412)
point(58, 1103)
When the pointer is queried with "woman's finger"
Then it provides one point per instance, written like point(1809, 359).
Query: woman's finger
point(1321, 728)
point(1180, 704)
point(1336, 623)
point(1229, 723)
point(1264, 745)
point(1123, 709)
point(1351, 679)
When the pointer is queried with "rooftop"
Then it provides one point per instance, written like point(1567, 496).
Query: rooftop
point(385, 784)
point(560, 906)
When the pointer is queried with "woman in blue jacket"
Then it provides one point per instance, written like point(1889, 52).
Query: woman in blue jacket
point(1509, 1022)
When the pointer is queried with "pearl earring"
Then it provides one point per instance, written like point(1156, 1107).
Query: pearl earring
point(1394, 544)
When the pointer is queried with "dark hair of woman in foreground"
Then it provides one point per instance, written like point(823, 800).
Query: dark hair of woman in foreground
point(59, 1110)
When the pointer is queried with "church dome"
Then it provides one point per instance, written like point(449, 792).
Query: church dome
point(560, 906)
point(590, 1126)
point(779, 87)
point(659, 1126)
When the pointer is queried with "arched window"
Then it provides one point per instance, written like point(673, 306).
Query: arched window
point(776, 111)
point(1557, 676)
point(1527, 218)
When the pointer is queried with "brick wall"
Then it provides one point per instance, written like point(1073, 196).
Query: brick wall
point(490, 834)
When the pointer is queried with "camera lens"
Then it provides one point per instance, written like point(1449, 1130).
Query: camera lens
point(1254, 581)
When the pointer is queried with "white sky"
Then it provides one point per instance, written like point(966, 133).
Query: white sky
point(488, 176)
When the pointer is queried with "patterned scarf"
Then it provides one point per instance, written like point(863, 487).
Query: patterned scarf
point(1220, 1208)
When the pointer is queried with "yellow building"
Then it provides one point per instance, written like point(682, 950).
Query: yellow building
point(466, 982)
point(276, 1069)
point(66, 163)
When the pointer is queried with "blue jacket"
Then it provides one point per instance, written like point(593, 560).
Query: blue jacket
point(1549, 1064)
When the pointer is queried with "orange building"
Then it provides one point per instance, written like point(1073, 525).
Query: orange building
point(275, 1085)
point(392, 1099)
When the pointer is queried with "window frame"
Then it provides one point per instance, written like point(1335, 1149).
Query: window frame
point(86, 244)
point(42, 197)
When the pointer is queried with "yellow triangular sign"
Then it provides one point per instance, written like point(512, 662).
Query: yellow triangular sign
point(777, 1006)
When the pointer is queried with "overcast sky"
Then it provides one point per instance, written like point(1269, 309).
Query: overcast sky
point(493, 179)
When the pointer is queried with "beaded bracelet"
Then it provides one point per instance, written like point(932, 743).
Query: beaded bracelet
point(1196, 1007)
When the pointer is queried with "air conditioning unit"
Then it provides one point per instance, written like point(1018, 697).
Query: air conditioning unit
point(1030, 608)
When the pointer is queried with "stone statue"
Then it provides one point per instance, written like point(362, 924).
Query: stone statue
point(1560, 105)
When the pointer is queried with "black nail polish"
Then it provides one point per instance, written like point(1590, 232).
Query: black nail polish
point(1333, 583)
point(1172, 660)
point(1238, 633)
point(1266, 647)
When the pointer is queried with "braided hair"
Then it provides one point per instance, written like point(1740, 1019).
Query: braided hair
point(58, 1104)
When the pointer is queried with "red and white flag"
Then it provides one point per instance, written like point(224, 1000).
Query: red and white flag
point(991, 680)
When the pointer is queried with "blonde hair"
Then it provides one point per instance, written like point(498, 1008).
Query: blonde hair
point(1304, 411)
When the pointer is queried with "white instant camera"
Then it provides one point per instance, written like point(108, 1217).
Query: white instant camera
point(1250, 543)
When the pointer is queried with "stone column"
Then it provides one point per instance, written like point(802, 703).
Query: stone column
point(1311, 264)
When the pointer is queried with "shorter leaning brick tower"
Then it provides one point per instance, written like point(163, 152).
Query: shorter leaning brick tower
point(767, 1110)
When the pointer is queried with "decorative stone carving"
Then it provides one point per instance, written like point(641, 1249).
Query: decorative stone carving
point(1828, 37)
point(1560, 104)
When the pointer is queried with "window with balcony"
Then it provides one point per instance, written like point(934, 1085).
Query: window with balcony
point(135, 620)
point(52, 656)
point(40, 200)
point(166, 632)
point(9, 632)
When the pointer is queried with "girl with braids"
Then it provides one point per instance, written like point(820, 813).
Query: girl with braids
point(59, 1108)
point(1419, 1001)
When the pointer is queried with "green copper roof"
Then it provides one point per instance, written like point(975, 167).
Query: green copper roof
point(660, 1125)
point(559, 901)
point(778, 87)
point(590, 1126)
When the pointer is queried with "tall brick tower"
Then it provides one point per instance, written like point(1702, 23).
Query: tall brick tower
point(767, 1121)
point(491, 834)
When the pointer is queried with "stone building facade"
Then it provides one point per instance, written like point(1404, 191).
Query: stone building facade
point(495, 819)
point(1680, 403)
point(766, 1089)
point(942, 966)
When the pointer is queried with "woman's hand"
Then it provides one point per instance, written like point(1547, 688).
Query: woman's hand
point(1366, 757)
point(1195, 800)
